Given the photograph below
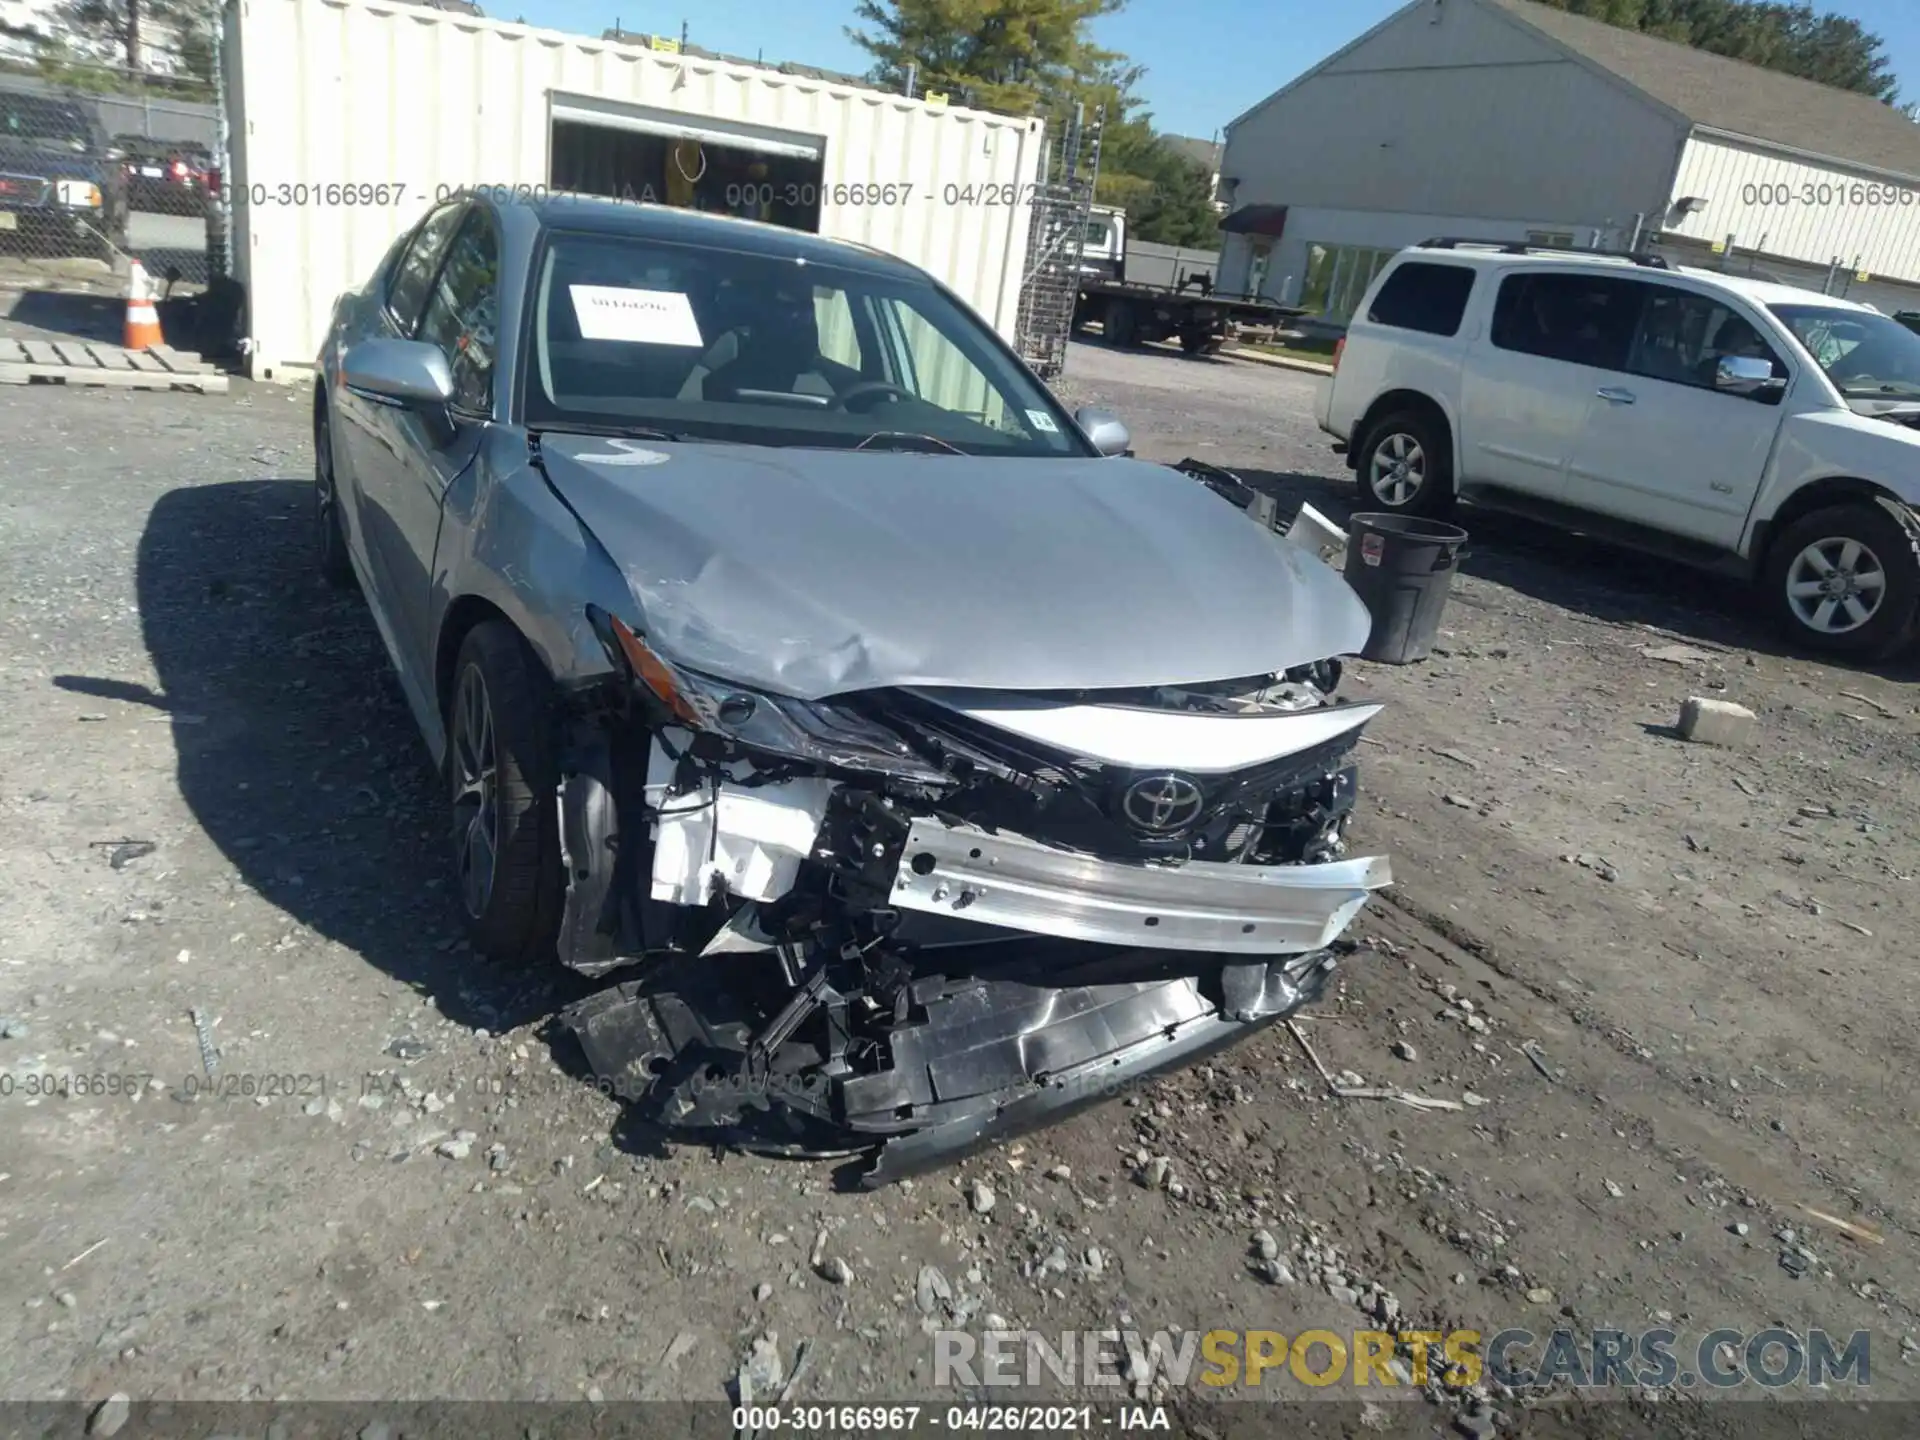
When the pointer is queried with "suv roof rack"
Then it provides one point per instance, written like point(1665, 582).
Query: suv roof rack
point(1523, 247)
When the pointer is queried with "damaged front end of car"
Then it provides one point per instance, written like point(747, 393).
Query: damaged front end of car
point(919, 920)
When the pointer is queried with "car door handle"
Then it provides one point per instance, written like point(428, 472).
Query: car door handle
point(1613, 395)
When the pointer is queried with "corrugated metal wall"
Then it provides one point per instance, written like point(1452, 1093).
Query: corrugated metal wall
point(1798, 208)
point(334, 98)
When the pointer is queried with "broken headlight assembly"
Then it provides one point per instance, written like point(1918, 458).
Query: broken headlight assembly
point(807, 732)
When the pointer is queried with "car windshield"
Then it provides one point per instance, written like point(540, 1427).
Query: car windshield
point(695, 341)
point(1864, 354)
point(44, 125)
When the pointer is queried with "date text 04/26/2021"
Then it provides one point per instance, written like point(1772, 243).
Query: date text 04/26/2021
point(855, 194)
point(30, 1087)
point(990, 1419)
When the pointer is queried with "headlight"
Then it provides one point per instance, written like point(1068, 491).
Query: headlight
point(827, 735)
point(78, 193)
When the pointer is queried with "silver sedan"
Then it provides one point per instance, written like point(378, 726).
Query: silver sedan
point(914, 763)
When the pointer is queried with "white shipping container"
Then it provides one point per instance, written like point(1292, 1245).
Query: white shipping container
point(351, 117)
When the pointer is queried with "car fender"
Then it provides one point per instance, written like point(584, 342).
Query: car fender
point(1826, 446)
point(509, 546)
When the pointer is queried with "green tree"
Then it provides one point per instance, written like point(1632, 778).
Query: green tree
point(1028, 57)
point(1795, 39)
point(1016, 56)
point(142, 36)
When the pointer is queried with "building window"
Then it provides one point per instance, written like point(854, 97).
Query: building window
point(1561, 239)
point(1337, 278)
point(1259, 258)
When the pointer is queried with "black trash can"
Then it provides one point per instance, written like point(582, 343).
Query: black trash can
point(1402, 566)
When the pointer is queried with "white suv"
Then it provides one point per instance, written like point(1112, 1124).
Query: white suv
point(1734, 424)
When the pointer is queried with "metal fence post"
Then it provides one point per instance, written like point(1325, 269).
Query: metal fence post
point(220, 237)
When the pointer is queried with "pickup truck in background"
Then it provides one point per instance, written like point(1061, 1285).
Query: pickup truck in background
point(61, 189)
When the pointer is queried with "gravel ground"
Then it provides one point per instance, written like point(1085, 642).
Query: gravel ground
point(1663, 984)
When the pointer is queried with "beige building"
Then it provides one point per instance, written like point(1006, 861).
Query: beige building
point(1507, 120)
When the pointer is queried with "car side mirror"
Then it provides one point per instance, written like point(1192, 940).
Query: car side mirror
point(1104, 429)
point(1747, 375)
point(403, 372)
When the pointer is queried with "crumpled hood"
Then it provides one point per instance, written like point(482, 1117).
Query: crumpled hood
point(818, 572)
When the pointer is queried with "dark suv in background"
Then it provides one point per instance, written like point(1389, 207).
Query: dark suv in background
point(62, 191)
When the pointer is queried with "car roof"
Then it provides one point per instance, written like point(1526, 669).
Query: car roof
point(1758, 291)
point(598, 215)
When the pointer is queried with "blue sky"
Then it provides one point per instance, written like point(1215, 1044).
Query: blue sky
point(1207, 60)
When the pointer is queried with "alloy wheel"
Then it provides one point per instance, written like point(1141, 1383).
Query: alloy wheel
point(476, 808)
point(323, 496)
point(1398, 469)
point(1835, 585)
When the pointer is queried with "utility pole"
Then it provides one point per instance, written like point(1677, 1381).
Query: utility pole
point(683, 35)
point(133, 36)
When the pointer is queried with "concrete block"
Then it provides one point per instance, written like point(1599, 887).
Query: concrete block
point(1715, 722)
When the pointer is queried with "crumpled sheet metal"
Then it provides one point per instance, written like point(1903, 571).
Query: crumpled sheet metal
point(822, 572)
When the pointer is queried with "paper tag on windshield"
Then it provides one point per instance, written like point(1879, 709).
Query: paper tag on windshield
point(1041, 420)
point(641, 317)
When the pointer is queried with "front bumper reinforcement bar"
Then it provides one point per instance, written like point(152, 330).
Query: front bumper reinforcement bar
point(1227, 909)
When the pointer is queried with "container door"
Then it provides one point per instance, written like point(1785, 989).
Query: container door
point(698, 162)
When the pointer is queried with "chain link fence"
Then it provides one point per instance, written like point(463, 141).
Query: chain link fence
point(99, 166)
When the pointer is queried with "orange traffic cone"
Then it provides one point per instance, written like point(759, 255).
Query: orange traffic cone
point(143, 321)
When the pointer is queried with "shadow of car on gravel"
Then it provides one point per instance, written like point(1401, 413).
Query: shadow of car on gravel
point(1587, 576)
point(296, 753)
point(205, 322)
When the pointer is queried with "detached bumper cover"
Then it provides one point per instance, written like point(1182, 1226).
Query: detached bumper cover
point(998, 1059)
point(1228, 909)
point(986, 1057)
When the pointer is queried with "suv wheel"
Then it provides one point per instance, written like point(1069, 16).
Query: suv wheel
point(1404, 467)
point(501, 778)
point(1846, 580)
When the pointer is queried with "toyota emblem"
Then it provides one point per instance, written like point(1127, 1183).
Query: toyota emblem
point(1163, 804)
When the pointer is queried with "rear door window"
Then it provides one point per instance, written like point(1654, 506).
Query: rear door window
point(1420, 295)
point(1581, 319)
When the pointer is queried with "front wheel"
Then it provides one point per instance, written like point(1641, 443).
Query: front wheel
point(330, 541)
point(1846, 580)
point(501, 778)
point(1405, 467)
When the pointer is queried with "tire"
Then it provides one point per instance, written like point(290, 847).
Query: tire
point(1198, 342)
point(1834, 598)
point(501, 777)
point(1119, 322)
point(1405, 466)
point(330, 540)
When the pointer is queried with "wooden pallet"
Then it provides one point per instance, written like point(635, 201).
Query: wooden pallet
point(85, 362)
